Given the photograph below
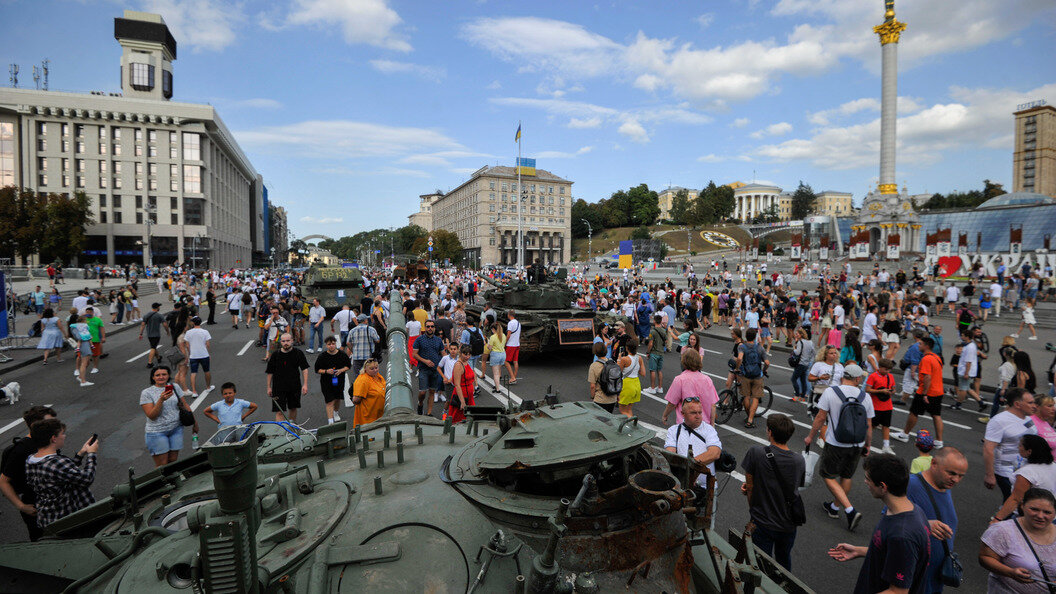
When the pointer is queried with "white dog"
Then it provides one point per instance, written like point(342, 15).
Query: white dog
point(9, 394)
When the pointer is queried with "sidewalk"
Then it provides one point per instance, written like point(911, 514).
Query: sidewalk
point(70, 286)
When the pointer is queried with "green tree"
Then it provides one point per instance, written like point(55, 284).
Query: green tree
point(407, 236)
point(803, 201)
point(770, 215)
point(22, 219)
point(645, 205)
point(616, 210)
point(641, 232)
point(446, 245)
point(680, 207)
point(992, 189)
point(65, 219)
point(592, 213)
point(300, 248)
point(723, 202)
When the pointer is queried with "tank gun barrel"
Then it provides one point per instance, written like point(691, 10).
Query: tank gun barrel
point(400, 398)
point(493, 281)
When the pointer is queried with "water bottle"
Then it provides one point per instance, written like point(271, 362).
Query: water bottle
point(194, 441)
point(334, 380)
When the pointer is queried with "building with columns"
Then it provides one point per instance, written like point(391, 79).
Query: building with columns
point(483, 212)
point(166, 181)
point(753, 199)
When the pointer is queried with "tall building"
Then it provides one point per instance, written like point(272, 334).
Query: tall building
point(424, 217)
point(833, 204)
point(753, 199)
point(167, 181)
point(483, 213)
point(280, 232)
point(667, 199)
point(1034, 153)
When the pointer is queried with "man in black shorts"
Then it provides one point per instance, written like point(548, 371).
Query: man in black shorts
point(928, 397)
point(287, 378)
point(152, 324)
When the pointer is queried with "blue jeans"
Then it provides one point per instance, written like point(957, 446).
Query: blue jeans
point(313, 333)
point(120, 311)
point(776, 544)
point(800, 386)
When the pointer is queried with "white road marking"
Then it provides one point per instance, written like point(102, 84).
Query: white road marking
point(200, 399)
point(139, 356)
point(12, 424)
point(245, 348)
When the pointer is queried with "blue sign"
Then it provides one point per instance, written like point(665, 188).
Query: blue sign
point(377, 251)
point(347, 265)
point(526, 162)
point(430, 248)
point(3, 306)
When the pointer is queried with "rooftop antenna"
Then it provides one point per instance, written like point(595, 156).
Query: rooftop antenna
point(44, 66)
point(13, 69)
point(36, 76)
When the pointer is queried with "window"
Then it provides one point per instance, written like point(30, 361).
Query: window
point(102, 216)
point(152, 151)
point(139, 169)
point(491, 185)
point(116, 134)
point(193, 211)
point(80, 181)
point(139, 202)
point(79, 163)
point(172, 203)
point(65, 129)
point(117, 201)
point(192, 150)
point(192, 179)
point(139, 218)
point(117, 217)
point(139, 134)
point(42, 144)
point(491, 196)
point(103, 167)
point(505, 186)
point(153, 168)
point(65, 146)
point(562, 191)
point(152, 135)
point(138, 150)
point(166, 84)
point(42, 128)
point(7, 154)
point(174, 178)
point(152, 184)
point(139, 184)
point(172, 152)
point(65, 181)
point(102, 148)
point(42, 163)
point(79, 147)
point(175, 219)
point(78, 130)
point(172, 138)
point(102, 133)
point(43, 179)
point(65, 165)
point(491, 208)
point(491, 241)
point(142, 76)
point(102, 200)
point(117, 150)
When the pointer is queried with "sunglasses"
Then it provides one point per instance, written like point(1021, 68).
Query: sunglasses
point(691, 399)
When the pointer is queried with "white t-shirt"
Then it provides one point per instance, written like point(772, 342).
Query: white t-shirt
point(831, 404)
point(839, 314)
point(952, 294)
point(343, 320)
point(316, 313)
point(1039, 475)
point(969, 354)
point(513, 331)
point(196, 339)
point(681, 440)
point(447, 365)
point(414, 328)
point(821, 368)
point(995, 291)
point(81, 303)
point(1005, 429)
point(869, 327)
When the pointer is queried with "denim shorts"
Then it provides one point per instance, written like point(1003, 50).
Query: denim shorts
point(204, 362)
point(163, 443)
point(496, 358)
point(429, 378)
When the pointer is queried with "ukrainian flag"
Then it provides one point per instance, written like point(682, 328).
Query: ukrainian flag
point(626, 254)
point(517, 137)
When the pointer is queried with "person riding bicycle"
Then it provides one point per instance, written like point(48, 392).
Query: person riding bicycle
point(965, 317)
point(752, 363)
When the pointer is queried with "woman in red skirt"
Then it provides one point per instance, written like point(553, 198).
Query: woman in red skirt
point(465, 384)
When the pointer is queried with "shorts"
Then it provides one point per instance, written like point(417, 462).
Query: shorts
point(285, 399)
point(764, 332)
point(513, 354)
point(893, 338)
point(39, 308)
point(97, 349)
point(496, 358)
point(656, 361)
point(882, 418)
point(153, 341)
point(752, 387)
point(838, 462)
point(963, 383)
point(909, 383)
point(429, 379)
point(331, 392)
point(204, 362)
point(929, 404)
point(163, 443)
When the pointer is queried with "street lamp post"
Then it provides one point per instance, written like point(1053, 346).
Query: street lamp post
point(149, 212)
point(590, 239)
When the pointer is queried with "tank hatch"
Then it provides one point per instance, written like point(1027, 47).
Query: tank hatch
point(561, 434)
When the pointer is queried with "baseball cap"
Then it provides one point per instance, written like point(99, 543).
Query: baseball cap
point(361, 317)
point(853, 370)
point(925, 443)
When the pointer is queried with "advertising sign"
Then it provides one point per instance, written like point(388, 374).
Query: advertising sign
point(575, 331)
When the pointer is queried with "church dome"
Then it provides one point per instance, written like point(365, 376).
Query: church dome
point(1017, 199)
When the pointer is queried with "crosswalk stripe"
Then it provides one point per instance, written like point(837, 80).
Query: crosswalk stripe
point(139, 356)
point(14, 423)
point(200, 399)
point(244, 349)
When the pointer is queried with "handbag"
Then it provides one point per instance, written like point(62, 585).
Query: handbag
point(1041, 565)
point(186, 416)
point(796, 510)
point(951, 573)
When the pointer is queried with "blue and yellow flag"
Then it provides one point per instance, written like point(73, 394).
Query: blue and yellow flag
point(626, 254)
point(517, 137)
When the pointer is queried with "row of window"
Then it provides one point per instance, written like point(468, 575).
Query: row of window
point(191, 141)
point(192, 175)
point(193, 210)
point(530, 198)
point(512, 186)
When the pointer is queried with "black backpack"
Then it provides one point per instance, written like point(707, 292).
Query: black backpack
point(611, 378)
point(36, 328)
point(476, 342)
point(852, 425)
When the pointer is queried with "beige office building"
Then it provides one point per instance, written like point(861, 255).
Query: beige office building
point(424, 217)
point(784, 206)
point(158, 173)
point(833, 204)
point(667, 199)
point(1034, 151)
point(483, 213)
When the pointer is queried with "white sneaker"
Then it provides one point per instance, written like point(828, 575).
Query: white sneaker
point(887, 450)
point(1033, 338)
point(647, 391)
point(938, 445)
point(95, 370)
point(900, 437)
point(76, 373)
point(660, 390)
point(309, 351)
point(1015, 335)
point(337, 417)
point(86, 384)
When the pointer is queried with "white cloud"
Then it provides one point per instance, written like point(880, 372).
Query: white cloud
point(322, 220)
point(713, 158)
point(199, 24)
point(443, 158)
point(259, 103)
point(740, 123)
point(494, 86)
point(705, 20)
point(584, 123)
point(544, 45)
point(632, 129)
point(433, 73)
point(385, 171)
point(778, 129)
point(464, 170)
point(562, 154)
point(906, 105)
point(346, 139)
point(974, 117)
point(361, 21)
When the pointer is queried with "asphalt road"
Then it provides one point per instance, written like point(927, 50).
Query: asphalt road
point(111, 409)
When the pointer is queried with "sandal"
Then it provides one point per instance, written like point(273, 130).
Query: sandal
point(748, 425)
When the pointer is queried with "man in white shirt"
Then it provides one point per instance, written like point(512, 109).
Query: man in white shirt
point(316, 315)
point(869, 329)
point(693, 431)
point(197, 339)
point(995, 298)
point(967, 370)
point(840, 315)
point(839, 460)
point(80, 302)
point(342, 322)
point(952, 295)
point(1001, 442)
point(513, 344)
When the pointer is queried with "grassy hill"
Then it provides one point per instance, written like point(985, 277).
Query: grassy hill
point(607, 242)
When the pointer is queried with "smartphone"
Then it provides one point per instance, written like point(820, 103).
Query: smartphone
point(95, 436)
point(169, 388)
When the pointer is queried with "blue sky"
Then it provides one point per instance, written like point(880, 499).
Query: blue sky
point(352, 108)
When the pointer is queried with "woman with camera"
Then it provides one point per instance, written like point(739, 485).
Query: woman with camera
point(161, 403)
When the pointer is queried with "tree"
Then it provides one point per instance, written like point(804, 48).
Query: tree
point(592, 213)
point(446, 245)
point(641, 232)
point(299, 247)
point(645, 205)
point(723, 202)
point(407, 236)
point(680, 206)
point(616, 210)
point(803, 201)
point(770, 215)
point(992, 189)
point(964, 200)
point(22, 219)
point(65, 220)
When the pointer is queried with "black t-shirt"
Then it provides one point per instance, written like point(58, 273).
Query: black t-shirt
point(767, 506)
point(13, 466)
point(336, 361)
point(898, 554)
point(444, 327)
point(285, 369)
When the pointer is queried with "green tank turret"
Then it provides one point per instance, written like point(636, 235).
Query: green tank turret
point(551, 497)
point(333, 286)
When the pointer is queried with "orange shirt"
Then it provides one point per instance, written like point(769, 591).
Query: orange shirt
point(931, 366)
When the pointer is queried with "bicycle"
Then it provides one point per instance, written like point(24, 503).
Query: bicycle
point(731, 401)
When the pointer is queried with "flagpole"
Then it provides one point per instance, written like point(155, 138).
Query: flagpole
point(520, 205)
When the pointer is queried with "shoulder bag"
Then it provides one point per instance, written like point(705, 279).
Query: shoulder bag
point(1041, 564)
point(796, 511)
point(951, 573)
point(186, 416)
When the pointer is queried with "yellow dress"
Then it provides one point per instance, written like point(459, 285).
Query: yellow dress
point(372, 391)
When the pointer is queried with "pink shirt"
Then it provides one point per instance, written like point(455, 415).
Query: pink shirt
point(1046, 431)
point(692, 383)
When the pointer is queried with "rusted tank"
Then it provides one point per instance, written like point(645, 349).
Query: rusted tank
point(410, 272)
point(333, 286)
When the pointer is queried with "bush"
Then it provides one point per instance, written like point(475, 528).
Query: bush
point(641, 233)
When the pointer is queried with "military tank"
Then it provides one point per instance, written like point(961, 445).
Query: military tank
point(410, 272)
point(544, 308)
point(333, 286)
point(551, 497)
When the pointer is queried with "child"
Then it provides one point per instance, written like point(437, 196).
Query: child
point(880, 385)
point(924, 445)
point(231, 411)
point(447, 369)
point(1028, 320)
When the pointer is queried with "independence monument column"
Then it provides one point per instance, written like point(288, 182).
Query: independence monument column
point(889, 32)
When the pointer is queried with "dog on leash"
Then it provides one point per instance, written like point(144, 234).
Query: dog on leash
point(9, 394)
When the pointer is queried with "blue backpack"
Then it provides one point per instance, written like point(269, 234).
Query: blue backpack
point(752, 364)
